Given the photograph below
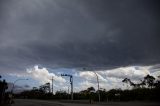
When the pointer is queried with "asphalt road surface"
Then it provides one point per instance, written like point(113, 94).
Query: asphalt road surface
point(25, 102)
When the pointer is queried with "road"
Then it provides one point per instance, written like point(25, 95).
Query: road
point(25, 102)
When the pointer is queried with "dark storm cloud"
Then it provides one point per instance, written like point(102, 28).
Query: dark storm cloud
point(78, 33)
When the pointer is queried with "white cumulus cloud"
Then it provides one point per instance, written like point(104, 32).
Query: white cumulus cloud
point(43, 75)
point(132, 72)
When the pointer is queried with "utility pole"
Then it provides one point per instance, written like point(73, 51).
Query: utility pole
point(71, 82)
point(52, 84)
point(68, 89)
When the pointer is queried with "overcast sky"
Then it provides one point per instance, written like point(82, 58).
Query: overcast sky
point(70, 35)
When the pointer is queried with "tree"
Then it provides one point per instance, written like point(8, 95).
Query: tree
point(3, 87)
point(149, 80)
point(157, 83)
point(45, 88)
point(90, 89)
point(126, 80)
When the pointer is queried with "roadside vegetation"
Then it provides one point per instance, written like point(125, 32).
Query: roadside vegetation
point(147, 89)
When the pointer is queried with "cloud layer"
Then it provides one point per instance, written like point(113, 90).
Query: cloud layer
point(58, 33)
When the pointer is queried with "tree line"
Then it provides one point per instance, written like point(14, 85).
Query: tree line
point(147, 89)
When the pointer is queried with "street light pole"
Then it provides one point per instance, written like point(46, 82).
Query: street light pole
point(14, 84)
point(99, 98)
point(98, 86)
